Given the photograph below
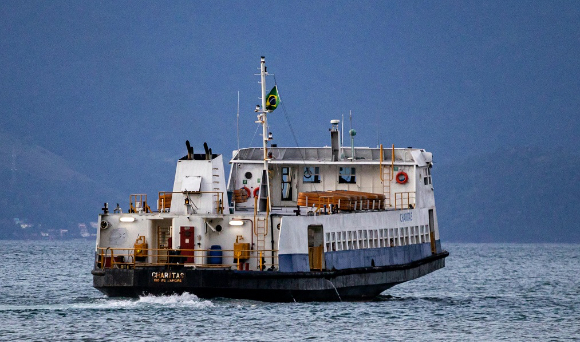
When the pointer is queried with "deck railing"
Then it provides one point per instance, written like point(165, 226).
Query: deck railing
point(138, 202)
point(197, 258)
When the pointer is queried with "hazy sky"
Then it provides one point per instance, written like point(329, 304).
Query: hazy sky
point(116, 87)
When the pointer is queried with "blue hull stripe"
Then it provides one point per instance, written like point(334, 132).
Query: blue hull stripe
point(339, 260)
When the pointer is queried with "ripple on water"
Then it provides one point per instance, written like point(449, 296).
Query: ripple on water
point(486, 291)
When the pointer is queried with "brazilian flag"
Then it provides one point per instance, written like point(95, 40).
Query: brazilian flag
point(273, 99)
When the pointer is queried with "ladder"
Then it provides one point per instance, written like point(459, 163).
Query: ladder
point(261, 232)
point(386, 174)
point(215, 186)
point(387, 186)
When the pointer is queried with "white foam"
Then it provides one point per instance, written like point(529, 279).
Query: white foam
point(185, 300)
point(176, 300)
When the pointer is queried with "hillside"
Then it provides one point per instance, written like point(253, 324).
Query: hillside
point(41, 192)
point(514, 195)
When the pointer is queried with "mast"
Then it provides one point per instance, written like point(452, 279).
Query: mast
point(264, 112)
point(238, 121)
point(263, 119)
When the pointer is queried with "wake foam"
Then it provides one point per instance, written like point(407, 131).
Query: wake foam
point(185, 300)
point(176, 300)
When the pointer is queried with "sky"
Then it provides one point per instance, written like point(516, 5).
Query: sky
point(116, 87)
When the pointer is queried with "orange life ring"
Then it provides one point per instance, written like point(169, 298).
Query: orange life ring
point(247, 190)
point(402, 177)
point(256, 191)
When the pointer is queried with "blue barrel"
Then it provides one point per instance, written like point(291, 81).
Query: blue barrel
point(214, 255)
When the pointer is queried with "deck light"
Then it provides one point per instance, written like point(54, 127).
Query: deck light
point(236, 223)
point(127, 219)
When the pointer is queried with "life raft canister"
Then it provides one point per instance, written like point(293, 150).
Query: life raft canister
point(402, 177)
point(256, 191)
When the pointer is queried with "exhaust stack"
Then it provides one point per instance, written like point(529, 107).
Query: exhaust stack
point(334, 142)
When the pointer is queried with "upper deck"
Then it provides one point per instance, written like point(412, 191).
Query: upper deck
point(294, 170)
point(323, 155)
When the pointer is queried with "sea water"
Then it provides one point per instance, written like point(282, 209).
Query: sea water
point(486, 292)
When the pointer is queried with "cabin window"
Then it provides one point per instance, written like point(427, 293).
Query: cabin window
point(350, 240)
point(363, 240)
point(425, 234)
point(286, 184)
point(333, 241)
point(347, 175)
point(386, 237)
point(311, 174)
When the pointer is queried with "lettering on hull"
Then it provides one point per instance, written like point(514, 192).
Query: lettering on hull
point(167, 277)
point(406, 217)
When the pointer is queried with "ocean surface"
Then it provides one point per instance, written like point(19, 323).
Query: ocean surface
point(487, 292)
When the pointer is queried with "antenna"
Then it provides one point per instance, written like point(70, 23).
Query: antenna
point(352, 133)
point(238, 120)
point(350, 116)
point(342, 134)
point(378, 125)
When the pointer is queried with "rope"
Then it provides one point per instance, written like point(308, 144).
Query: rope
point(257, 126)
point(291, 129)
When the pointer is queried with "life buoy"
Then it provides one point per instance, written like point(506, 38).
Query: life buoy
point(256, 191)
point(247, 190)
point(402, 177)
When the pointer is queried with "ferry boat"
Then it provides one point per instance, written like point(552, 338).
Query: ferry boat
point(289, 224)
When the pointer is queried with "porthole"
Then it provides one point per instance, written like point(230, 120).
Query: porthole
point(248, 175)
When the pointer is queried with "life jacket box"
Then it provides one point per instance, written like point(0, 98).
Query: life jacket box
point(241, 251)
point(140, 249)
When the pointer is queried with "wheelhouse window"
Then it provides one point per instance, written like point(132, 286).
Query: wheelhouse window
point(427, 178)
point(346, 175)
point(311, 174)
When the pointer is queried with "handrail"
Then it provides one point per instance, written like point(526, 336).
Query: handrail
point(392, 162)
point(219, 200)
point(110, 257)
point(142, 201)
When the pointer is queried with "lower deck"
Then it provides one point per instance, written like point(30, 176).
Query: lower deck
point(362, 283)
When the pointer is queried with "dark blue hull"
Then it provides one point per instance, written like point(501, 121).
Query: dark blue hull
point(363, 283)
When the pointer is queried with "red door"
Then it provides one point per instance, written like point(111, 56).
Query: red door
point(186, 242)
